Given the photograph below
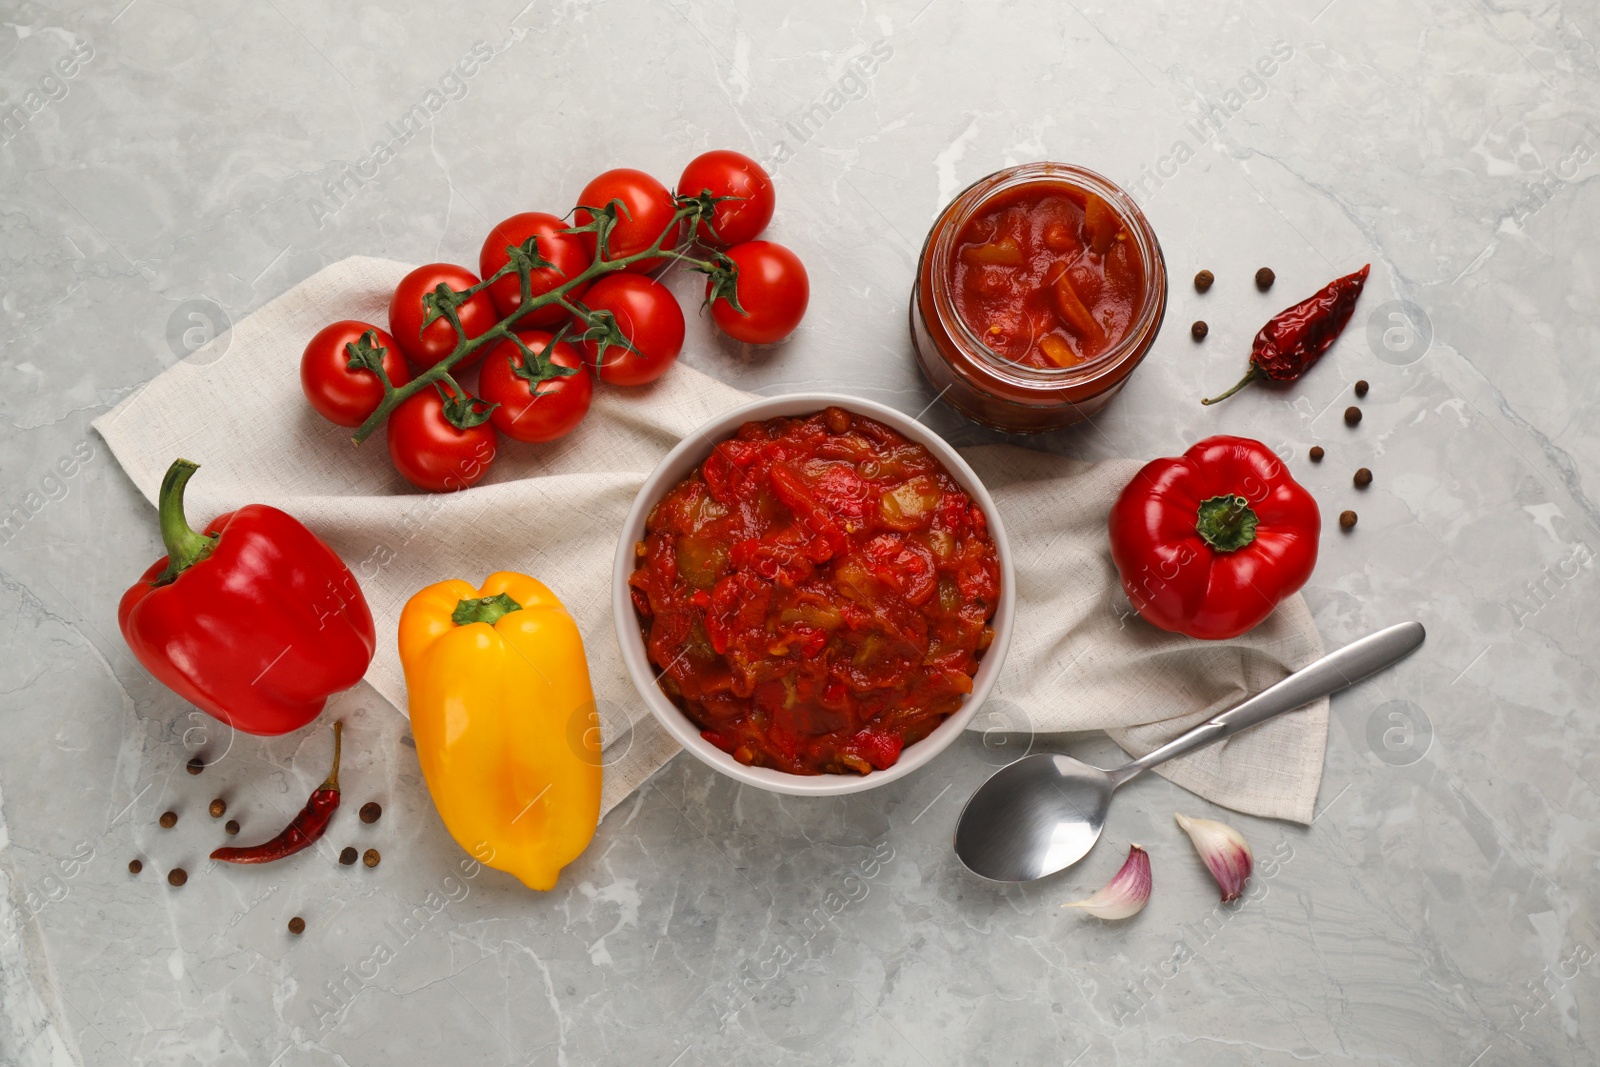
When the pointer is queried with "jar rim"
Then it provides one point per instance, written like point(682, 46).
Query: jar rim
point(941, 252)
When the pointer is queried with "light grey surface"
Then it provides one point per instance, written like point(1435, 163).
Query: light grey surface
point(1440, 910)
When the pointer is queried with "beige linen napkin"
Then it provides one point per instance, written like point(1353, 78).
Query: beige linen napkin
point(1079, 660)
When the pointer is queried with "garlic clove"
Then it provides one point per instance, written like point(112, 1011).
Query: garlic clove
point(1126, 893)
point(1225, 852)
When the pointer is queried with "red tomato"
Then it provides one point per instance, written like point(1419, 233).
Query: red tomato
point(725, 173)
point(649, 317)
point(343, 396)
point(647, 211)
point(530, 412)
point(565, 250)
point(773, 290)
point(431, 453)
point(427, 347)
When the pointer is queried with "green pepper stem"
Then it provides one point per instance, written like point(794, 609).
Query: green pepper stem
point(185, 546)
point(1255, 372)
point(1226, 522)
point(489, 609)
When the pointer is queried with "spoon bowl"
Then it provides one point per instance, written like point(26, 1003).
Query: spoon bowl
point(1049, 809)
point(1044, 812)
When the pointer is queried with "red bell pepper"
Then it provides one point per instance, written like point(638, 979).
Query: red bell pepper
point(255, 621)
point(1209, 542)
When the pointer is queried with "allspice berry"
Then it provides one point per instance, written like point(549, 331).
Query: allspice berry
point(1199, 330)
point(1265, 278)
point(297, 925)
point(371, 811)
point(1363, 478)
point(1347, 519)
point(168, 820)
point(1203, 280)
point(1361, 387)
point(1352, 415)
point(195, 765)
point(219, 808)
point(348, 855)
point(370, 857)
point(177, 876)
point(134, 866)
point(231, 827)
point(1316, 453)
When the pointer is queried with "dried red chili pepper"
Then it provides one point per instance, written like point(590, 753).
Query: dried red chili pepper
point(304, 829)
point(1292, 339)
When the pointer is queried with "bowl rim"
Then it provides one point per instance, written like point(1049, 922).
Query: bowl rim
point(675, 466)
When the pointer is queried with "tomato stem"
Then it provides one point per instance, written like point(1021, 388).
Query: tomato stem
point(601, 219)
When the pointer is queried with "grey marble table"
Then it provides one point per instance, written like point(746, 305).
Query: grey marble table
point(166, 166)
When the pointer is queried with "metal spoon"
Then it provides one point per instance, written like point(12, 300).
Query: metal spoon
point(1044, 812)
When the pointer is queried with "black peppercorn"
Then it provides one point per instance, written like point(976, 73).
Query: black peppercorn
point(370, 811)
point(1199, 330)
point(1316, 453)
point(1352, 415)
point(348, 855)
point(1363, 478)
point(1203, 280)
point(1361, 387)
point(1265, 278)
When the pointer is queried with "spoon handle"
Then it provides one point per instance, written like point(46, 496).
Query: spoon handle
point(1327, 675)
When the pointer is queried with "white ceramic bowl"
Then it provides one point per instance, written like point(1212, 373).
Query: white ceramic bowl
point(673, 469)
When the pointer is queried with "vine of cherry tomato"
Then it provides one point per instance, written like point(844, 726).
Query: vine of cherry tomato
point(426, 345)
point(565, 250)
point(722, 173)
point(442, 440)
point(433, 453)
point(773, 290)
point(535, 410)
point(345, 396)
point(647, 208)
point(649, 317)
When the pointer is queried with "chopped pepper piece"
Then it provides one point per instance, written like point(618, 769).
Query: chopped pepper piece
point(1073, 314)
point(1002, 253)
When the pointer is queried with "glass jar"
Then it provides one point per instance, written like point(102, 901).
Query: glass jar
point(986, 386)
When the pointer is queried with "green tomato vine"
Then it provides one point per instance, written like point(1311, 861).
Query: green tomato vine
point(598, 327)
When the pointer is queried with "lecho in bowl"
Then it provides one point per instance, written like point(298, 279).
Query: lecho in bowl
point(813, 594)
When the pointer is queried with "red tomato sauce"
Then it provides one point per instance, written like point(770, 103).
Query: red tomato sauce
point(817, 594)
point(1047, 276)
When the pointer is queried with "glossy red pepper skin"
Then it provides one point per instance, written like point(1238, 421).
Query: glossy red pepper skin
point(1294, 338)
point(1180, 580)
point(260, 629)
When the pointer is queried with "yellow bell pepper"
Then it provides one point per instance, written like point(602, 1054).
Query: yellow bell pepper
point(504, 720)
